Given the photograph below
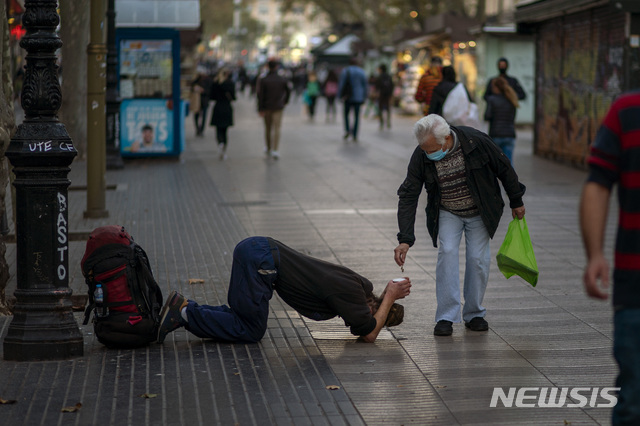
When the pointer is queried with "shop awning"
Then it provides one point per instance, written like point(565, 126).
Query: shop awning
point(542, 10)
point(342, 46)
point(179, 14)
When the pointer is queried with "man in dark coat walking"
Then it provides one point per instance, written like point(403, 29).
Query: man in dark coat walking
point(273, 94)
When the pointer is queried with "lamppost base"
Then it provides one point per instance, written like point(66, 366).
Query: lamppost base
point(43, 327)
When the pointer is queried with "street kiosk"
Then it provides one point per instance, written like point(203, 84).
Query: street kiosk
point(152, 112)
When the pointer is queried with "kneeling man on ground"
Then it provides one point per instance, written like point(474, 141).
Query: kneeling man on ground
point(316, 289)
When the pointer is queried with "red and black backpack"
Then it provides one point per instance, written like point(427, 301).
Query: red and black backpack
point(130, 313)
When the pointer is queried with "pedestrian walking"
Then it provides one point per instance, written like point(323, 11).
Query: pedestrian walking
point(223, 93)
point(312, 92)
point(384, 87)
point(353, 92)
point(330, 91)
point(273, 93)
point(460, 173)
point(429, 80)
point(503, 66)
point(442, 90)
point(501, 115)
point(615, 159)
point(372, 98)
point(316, 289)
point(200, 95)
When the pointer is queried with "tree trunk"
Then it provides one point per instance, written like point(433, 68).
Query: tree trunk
point(7, 128)
point(481, 10)
point(74, 33)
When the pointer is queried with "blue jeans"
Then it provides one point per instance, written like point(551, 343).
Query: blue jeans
point(245, 319)
point(476, 274)
point(348, 105)
point(506, 145)
point(626, 349)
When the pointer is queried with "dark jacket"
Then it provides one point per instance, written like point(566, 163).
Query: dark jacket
point(485, 164)
point(513, 82)
point(204, 82)
point(321, 290)
point(439, 95)
point(273, 92)
point(501, 115)
point(223, 93)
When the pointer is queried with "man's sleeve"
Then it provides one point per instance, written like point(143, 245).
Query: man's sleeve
point(259, 94)
point(519, 90)
point(506, 173)
point(355, 312)
point(605, 151)
point(287, 89)
point(487, 90)
point(419, 96)
point(408, 196)
point(341, 82)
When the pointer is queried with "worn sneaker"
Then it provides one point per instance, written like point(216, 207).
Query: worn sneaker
point(443, 328)
point(171, 315)
point(477, 324)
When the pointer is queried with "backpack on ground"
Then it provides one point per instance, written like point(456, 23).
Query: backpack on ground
point(129, 314)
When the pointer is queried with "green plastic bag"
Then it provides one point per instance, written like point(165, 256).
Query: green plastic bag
point(516, 256)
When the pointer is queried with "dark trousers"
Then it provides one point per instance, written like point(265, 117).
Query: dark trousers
point(253, 274)
point(348, 105)
point(626, 349)
point(200, 117)
point(221, 134)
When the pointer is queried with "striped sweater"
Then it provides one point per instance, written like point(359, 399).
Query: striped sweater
point(615, 158)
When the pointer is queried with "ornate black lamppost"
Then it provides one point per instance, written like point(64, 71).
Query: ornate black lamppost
point(43, 327)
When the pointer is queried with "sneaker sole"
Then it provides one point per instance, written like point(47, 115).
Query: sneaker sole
point(163, 316)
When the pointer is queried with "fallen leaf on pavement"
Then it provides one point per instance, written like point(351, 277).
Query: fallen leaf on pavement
point(7, 401)
point(196, 281)
point(149, 395)
point(332, 387)
point(72, 409)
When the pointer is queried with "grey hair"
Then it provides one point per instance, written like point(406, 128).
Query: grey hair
point(431, 124)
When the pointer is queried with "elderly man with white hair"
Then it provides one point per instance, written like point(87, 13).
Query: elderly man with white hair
point(459, 167)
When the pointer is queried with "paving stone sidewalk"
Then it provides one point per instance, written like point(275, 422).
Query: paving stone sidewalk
point(336, 201)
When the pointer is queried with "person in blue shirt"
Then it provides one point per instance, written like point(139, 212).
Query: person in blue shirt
point(352, 89)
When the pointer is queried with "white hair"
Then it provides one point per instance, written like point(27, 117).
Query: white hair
point(431, 124)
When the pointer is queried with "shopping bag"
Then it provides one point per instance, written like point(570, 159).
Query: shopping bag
point(194, 102)
point(458, 110)
point(516, 256)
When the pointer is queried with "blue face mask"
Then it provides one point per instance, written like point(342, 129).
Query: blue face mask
point(438, 155)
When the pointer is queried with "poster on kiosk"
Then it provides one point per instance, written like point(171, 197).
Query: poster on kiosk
point(151, 112)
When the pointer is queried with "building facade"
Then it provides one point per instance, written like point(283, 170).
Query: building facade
point(586, 51)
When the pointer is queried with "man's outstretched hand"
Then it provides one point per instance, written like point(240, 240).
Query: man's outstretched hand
point(398, 290)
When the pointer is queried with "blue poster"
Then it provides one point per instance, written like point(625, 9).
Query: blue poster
point(147, 126)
